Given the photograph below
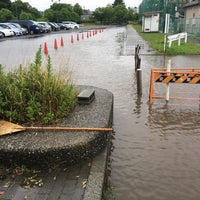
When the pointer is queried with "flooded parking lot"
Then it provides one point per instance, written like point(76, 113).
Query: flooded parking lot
point(155, 148)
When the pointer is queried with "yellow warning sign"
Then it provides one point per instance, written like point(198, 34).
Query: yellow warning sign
point(173, 77)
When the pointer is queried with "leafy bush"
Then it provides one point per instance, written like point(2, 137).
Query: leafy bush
point(35, 95)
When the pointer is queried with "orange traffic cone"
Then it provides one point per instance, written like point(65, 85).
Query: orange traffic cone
point(55, 44)
point(61, 42)
point(45, 48)
point(72, 39)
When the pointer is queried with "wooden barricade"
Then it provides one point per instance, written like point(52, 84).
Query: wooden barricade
point(176, 75)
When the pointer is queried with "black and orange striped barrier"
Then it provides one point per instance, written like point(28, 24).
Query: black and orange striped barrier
point(176, 75)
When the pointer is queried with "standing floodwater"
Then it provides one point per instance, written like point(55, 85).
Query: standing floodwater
point(155, 148)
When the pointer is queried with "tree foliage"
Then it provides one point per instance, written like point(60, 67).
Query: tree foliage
point(62, 12)
point(118, 2)
point(120, 14)
point(77, 9)
point(5, 15)
point(22, 10)
point(5, 4)
point(25, 15)
point(116, 13)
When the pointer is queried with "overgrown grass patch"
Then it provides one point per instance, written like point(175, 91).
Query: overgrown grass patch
point(34, 95)
point(156, 41)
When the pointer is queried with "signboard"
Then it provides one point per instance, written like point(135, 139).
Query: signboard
point(176, 75)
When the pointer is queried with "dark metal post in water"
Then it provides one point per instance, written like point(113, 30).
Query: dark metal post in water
point(137, 64)
point(138, 70)
point(139, 81)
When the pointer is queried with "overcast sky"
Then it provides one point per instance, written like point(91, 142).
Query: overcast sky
point(87, 4)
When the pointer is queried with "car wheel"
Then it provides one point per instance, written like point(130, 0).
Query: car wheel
point(31, 32)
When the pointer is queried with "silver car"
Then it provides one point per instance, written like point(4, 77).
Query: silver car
point(46, 26)
point(24, 30)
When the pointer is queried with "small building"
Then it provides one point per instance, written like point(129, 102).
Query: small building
point(192, 17)
point(86, 15)
point(192, 9)
point(150, 22)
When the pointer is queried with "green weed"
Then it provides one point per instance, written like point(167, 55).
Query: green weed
point(34, 95)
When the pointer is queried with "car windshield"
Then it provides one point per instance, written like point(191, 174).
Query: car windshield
point(11, 26)
point(4, 26)
point(33, 22)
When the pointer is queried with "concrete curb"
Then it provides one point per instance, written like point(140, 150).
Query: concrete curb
point(33, 148)
point(96, 179)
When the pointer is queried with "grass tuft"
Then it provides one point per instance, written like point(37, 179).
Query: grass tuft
point(35, 95)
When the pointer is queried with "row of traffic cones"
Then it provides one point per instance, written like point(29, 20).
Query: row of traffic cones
point(55, 45)
point(88, 34)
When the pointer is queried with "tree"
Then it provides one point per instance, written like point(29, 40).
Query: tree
point(104, 15)
point(131, 15)
point(120, 14)
point(35, 13)
point(5, 4)
point(98, 14)
point(18, 6)
point(78, 9)
point(5, 15)
point(63, 12)
point(108, 15)
point(75, 17)
point(118, 2)
point(25, 15)
point(48, 14)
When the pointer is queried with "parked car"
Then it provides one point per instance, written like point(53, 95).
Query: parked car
point(24, 30)
point(6, 32)
point(46, 26)
point(71, 25)
point(17, 31)
point(54, 26)
point(1, 35)
point(63, 26)
point(31, 26)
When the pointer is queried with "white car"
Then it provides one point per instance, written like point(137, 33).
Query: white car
point(7, 32)
point(1, 35)
point(16, 30)
point(71, 25)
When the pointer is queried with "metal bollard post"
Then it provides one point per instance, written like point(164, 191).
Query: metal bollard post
point(139, 81)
